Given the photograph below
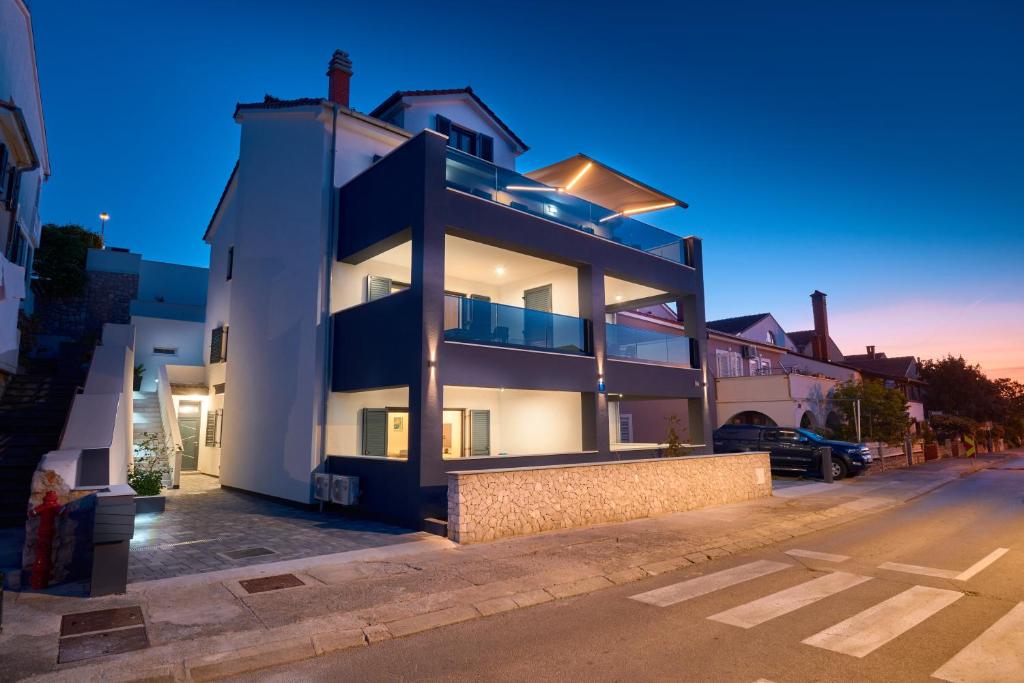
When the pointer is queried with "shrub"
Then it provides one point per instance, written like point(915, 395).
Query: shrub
point(147, 472)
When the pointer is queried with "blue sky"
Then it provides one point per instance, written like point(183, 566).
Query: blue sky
point(872, 150)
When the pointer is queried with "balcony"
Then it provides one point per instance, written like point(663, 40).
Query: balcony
point(647, 346)
point(476, 321)
point(475, 176)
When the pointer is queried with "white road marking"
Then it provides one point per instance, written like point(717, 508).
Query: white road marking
point(863, 633)
point(815, 555)
point(789, 600)
point(997, 655)
point(702, 585)
point(916, 569)
point(965, 575)
point(981, 564)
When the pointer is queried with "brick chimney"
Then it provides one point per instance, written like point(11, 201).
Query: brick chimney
point(339, 73)
point(871, 352)
point(819, 347)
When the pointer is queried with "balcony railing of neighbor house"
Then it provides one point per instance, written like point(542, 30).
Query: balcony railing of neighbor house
point(483, 179)
point(481, 322)
point(650, 346)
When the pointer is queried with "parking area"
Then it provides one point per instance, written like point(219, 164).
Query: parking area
point(206, 528)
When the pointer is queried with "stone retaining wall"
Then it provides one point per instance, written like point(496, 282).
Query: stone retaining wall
point(484, 505)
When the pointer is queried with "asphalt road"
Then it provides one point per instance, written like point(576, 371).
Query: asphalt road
point(956, 572)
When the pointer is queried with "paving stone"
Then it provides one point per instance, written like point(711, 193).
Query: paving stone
point(496, 606)
point(671, 564)
point(77, 648)
point(579, 587)
point(224, 664)
point(627, 575)
point(375, 633)
point(332, 641)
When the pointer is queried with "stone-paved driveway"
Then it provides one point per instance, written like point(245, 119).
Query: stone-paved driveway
point(203, 522)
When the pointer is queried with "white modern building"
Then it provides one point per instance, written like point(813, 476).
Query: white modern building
point(390, 299)
point(24, 167)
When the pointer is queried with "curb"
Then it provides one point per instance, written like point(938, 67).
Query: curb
point(258, 655)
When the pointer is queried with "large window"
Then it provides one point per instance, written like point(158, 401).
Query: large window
point(462, 140)
point(729, 363)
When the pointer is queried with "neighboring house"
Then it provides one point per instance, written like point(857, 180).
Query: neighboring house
point(166, 302)
point(899, 372)
point(389, 298)
point(24, 166)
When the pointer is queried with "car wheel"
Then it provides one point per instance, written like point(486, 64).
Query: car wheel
point(839, 470)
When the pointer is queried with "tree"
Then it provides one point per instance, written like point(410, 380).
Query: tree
point(965, 397)
point(883, 411)
point(59, 263)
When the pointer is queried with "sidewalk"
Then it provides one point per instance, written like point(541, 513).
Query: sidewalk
point(220, 623)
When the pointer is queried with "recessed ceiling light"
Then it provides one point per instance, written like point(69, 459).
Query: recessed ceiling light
point(618, 297)
point(500, 270)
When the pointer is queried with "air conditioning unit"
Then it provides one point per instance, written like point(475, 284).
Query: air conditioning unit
point(344, 489)
point(745, 351)
point(322, 487)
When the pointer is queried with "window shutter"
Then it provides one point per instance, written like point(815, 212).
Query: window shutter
point(12, 198)
point(216, 344)
point(486, 147)
point(224, 345)
point(231, 262)
point(377, 287)
point(626, 428)
point(538, 298)
point(3, 170)
point(479, 432)
point(211, 428)
point(444, 125)
point(220, 426)
point(375, 431)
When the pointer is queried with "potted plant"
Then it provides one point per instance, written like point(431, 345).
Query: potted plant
point(146, 473)
point(140, 370)
point(673, 445)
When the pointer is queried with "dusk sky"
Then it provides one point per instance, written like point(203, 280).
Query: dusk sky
point(872, 150)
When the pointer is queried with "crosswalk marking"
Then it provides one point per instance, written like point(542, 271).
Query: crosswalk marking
point(863, 633)
point(815, 555)
point(996, 655)
point(789, 600)
point(917, 569)
point(981, 564)
point(702, 585)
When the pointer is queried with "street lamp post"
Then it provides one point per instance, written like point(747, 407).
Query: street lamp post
point(104, 217)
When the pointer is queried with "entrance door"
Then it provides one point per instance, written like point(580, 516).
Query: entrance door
point(188, 425)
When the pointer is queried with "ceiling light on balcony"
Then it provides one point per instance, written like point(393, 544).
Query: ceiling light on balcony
point(618, 297)
point(641, 209)
point(499, 271)
point(576, 178)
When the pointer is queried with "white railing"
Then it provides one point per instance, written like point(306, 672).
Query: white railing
point(169, 421)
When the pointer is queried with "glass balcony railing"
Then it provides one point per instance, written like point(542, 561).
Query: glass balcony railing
point(483, 179)
point(482, 322)
point(647, 346)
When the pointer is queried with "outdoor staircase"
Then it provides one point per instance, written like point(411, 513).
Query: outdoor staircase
point(146, 418)
point(33, 410)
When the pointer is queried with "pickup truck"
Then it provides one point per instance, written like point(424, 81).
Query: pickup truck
point(793, 449)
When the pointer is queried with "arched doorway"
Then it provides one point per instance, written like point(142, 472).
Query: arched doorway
point(752, 417)
point(807, 421)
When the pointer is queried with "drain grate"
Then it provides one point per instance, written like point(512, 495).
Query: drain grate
point(271, 583)
point(100, 620)
point(246, 553)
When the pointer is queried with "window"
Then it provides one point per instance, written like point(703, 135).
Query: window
point(219, 345)
point(164, 351)
point(462, 140)
point(729, 363)
point(466, 140)
point(770, 338)
point(479, 432)
point(538, 299)
point(386, 432)
point(378, 287)
point(214, 427)
point(231, 262)
point(218, 388)
point(626, 428)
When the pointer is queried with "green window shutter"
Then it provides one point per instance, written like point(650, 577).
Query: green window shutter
point(211, 428)
point(377, 287)
point(444, 125)
point(216, 344)
point(479, 432)
point(375, 431)
point(538, 299)
point(220, 427)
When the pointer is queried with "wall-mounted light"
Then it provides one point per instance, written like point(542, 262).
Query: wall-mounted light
point(431, 363)
point(600, 383)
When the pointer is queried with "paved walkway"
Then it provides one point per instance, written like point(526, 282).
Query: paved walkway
point(206, 528)
point(227, 621)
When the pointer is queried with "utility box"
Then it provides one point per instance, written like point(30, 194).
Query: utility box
point(322, 487)
point(113, 529)
point(344, 489)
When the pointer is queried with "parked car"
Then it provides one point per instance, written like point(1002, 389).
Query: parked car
point(793, 449)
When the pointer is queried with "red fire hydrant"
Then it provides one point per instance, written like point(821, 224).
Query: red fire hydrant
point(47, 512)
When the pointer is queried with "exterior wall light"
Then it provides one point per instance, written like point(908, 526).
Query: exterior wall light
point(600, 383)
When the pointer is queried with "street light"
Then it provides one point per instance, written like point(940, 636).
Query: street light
point(104, 217)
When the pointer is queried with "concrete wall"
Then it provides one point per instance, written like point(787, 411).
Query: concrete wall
point(490, 504)
point(185, 336)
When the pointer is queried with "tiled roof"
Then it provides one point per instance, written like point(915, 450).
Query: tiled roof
point(271, 102)
point(892, 367)
point(736, 325)
point(399, 94)
point(801, 338)
point(220, 202)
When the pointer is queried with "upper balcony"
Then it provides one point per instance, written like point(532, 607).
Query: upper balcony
point(480, 178)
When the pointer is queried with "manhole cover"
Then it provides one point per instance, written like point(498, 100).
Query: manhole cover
point(271, 583)
point(100, 644)
point(100, 620)
point(245, 553)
